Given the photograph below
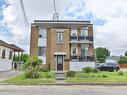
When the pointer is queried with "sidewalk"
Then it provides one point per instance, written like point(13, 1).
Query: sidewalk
point(7, 74)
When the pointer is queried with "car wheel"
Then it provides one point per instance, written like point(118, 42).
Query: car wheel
point(114, 70)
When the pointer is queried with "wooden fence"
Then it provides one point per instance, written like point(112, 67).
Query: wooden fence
point(123, 65)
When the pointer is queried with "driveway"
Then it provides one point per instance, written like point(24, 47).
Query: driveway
point(7, 74)
point(62, 90)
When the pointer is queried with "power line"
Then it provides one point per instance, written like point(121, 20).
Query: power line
point(24, 14)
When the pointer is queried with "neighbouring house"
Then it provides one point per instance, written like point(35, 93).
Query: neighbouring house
point(7, 52)
point(112, 59)
point(63, 45)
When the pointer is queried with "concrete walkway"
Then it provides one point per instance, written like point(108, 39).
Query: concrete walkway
point(7, 74)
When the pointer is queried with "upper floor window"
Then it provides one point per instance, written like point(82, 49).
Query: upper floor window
point(41, 51)
point(73, 32)
point(42, 33)
point(84, 32)
point(60, 37)
point(3, 53)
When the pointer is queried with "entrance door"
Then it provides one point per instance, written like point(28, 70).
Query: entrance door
point(59, 62)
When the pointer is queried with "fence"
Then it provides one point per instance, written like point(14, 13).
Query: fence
point(123, 65)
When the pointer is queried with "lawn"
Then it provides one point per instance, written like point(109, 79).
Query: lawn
point(46, 77)
point(100, 77)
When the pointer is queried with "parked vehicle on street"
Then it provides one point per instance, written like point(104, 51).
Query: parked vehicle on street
point(111, 67)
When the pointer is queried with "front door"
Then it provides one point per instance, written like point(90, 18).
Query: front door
point(59, 62)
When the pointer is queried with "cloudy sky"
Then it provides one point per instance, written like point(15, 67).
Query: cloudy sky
point(108, 16)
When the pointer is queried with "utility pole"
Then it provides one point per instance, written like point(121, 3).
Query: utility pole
point(55, 15)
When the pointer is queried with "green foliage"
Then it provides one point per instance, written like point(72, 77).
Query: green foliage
point(120, 73)
point(70, 74)
point(31, 67)
point(22, 57)
point(102, 54)
point(104, 76)
point(122, 60)
point(44, 69)
point(32, 74)
point(125, 53)
point(85, 75)
point(88, 70)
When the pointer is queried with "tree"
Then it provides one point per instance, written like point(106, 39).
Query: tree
point(22, 57)
point(102, 54)
point(32, 67)
point(122, 60)
point(125, 53)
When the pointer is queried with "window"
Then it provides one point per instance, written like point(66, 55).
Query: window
point(60, 37)
point(3, 53)
point(41, 51)
point(84, 32)
point(73, 49)
point(10, 54)
point(42, 33)
point(84, 50)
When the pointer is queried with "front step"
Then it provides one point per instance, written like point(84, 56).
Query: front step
point(60, 75)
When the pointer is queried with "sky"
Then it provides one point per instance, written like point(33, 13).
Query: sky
point(108, 17)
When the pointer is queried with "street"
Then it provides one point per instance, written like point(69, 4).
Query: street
point(62, 90)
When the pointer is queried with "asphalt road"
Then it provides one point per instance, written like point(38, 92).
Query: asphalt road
point(62, 90)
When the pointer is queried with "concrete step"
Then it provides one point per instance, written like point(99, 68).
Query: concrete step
point(60, 75)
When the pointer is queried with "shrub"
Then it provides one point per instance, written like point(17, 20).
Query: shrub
point(49, 75)
point(104, 76)
point(84, 75)
point(31, 74)
point(120, 73)
point(89, 70)
point(31, 67)
point(70, 74)
point(43, 69)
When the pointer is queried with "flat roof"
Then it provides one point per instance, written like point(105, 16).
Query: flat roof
point(61, 23)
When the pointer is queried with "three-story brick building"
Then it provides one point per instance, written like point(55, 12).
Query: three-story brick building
point(63, 45)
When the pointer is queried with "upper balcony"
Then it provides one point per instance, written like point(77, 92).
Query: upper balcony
point(81, 39)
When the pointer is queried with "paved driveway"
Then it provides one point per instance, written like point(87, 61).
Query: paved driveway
point(62, 90)
point(6, 74)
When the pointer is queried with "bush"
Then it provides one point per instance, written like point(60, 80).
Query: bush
point(49, 75)
point(104, 76)
point(31, 67)
point(89, 70)
point(43, 69)
point(84, 75)
point(31, 74)
point(120, 73)
point(70, 74)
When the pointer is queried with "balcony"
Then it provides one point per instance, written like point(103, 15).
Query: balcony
point(82, 58)
point(81, 39)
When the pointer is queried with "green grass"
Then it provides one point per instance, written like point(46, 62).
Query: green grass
point(111, 77)
point(21, 79)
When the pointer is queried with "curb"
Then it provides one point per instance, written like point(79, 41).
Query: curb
point(69, 84)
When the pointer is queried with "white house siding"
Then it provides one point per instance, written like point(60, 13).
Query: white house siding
point(5, 64)
point(77, 66)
